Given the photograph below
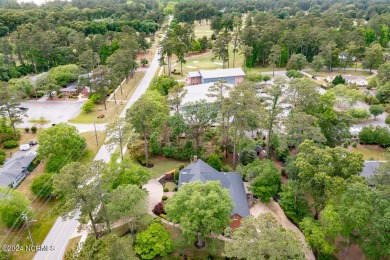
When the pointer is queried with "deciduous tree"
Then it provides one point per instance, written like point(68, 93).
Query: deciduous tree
point(12, 204)
point(200, 209)
point(263, 238)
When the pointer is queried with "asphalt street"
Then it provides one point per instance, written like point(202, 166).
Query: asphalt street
point(62, 231)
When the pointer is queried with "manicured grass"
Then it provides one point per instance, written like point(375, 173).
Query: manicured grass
point(370, 152)
point(113, 110)
point(163, 165)
point(339, 72)
point(260, 69)
point(203, 61)
point(203, 30)
point(92, 147)
point(215, 247)
point(170, 185)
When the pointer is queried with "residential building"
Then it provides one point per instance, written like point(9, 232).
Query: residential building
point(15, 170)
point(360, 81)
point(198, 92)
point(198, 170)
point(232, 76)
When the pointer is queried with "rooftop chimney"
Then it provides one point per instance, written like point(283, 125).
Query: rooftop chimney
point(195, 158)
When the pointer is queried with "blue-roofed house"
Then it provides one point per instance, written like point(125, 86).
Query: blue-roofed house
point(232, 76)
point(198, 170)
point(15, 170)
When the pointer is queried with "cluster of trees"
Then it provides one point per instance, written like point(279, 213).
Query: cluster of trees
point(329, 38)
point(343, 202)
point(39, 39)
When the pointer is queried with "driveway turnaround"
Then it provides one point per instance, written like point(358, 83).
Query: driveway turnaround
point(155, 190)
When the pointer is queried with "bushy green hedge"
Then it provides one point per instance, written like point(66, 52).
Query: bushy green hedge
point(42, 186)
point(10, 144)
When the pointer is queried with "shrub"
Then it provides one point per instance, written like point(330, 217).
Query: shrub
point(55, 163)
point(2, 159)
point(27, 129)
point(294, 74)
point(247, 156)
point(168, 176)
point(10, 144)
point(159, 209)
point(60, 95)
point(215, 162)
point(2, 152)
point(345, 145)
point(164, 198)
point(39, 94)
point(88, 106)
point(387, 120)
point(376, 110)
point(338, 80)
point(359, 113)
point(176, 176)
point(166, 189)
point(95, 98)
point(34, 129)
point(181, 167)
point(175, 189)
point(42, 186)
point(354, 144)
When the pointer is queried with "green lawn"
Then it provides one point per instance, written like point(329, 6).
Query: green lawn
point(215, 247)
point(203, 61)
point(203, 30)
point(339, 72)
point(370, 152)
point(92, 147)
point(163, 165)
point(113, 110)
point(170, 185)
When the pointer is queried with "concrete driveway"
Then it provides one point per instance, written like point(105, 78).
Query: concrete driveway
point(275, 209)
point(55, 111)
point(155, 190)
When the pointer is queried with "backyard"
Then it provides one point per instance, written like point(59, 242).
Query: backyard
point(370, 152)
point(163, 165)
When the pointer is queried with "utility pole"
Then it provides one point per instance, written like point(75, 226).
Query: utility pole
point(97, 141)
point(25, 218)
point(120, 138)
point(114, 97)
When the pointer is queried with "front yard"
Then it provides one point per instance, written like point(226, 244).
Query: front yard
point(113, 110)
point(370, 152)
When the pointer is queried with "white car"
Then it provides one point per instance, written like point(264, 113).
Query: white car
point(24, 147)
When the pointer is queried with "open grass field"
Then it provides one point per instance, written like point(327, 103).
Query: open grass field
point(370, 152)
point(163, 165)
point(112, 109)
point(339, 72)
point(203, 30)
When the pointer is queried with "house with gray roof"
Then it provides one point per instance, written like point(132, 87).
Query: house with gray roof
point(369, 169)
point(201, 171)
point(15, 170)
point(232, 76)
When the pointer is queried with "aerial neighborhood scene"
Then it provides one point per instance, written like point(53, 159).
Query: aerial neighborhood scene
point(194, 129)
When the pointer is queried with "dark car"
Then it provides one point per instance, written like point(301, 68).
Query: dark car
point(32, 143)
point(23, 108)
point(314, 77)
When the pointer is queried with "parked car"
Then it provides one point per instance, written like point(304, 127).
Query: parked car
point(32, 143)
point(23, 108)
point(314, 77)
point(24, 147)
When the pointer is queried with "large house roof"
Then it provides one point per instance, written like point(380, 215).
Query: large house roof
point(221, 73)
point(198, 92)
point(193, 74)
point(14, 167)
point(369, 168)
point(201, 171)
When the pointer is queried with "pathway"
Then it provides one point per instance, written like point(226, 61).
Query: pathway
point(275, 209)
point(155, 190)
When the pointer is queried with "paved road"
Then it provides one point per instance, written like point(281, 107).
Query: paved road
point(61, 231)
